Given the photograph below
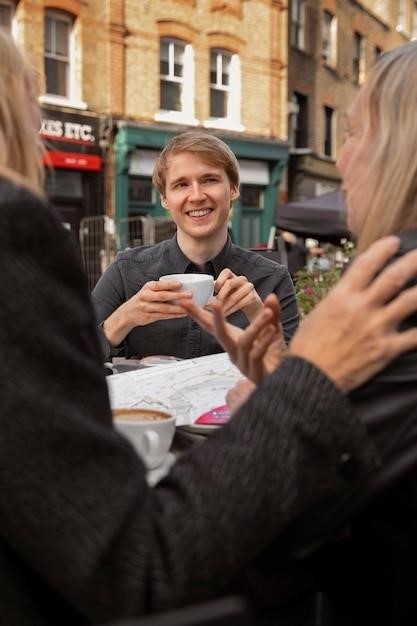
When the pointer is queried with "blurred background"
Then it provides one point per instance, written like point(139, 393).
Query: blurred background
point(271, 78)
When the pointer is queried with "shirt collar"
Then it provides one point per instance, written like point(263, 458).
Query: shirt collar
point(213, 266)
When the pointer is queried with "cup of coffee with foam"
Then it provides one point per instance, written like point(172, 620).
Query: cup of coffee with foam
point(150, 431)
point(201, 285)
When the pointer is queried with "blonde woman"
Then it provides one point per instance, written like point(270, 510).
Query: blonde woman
point(83, 539)
point(371, 578)
point(19, 116)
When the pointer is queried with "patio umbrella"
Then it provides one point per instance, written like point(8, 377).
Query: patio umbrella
point(322, 217)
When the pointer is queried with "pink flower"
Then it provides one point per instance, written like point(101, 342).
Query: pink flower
point(309, 292)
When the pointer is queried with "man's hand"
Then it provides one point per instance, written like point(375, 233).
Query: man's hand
point(236, 293)
point(156, 301)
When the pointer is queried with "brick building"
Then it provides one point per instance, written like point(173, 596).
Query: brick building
point(121, 76)
point(200, 64)
point(62, 49)
point(332, 45)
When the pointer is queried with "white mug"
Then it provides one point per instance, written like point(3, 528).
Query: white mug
point(201, 285)
point(150, 431)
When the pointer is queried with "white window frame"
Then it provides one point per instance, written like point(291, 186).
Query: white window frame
point(187, 82)
point(329, 38)
point(71, 98)
point(298, 24)
point(232, 120)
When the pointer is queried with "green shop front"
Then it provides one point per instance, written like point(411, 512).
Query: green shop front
point(261, 163)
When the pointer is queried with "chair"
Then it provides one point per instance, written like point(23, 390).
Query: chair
point(275, 249)
point(229, 611)
point(160, 228)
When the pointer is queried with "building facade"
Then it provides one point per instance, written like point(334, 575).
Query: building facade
point(332, 44)
point(121, 76)
point(201, 64)
point(56, 43)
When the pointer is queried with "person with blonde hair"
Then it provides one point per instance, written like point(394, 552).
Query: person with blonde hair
point(19, 115)
point(197, 176)
point(367, 568)
point(377, 160)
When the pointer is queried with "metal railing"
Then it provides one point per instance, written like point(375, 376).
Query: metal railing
point(101, 237)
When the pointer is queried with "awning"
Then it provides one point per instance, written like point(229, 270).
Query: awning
point(322, 217)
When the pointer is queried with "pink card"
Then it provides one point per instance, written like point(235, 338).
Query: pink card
point(219, 415)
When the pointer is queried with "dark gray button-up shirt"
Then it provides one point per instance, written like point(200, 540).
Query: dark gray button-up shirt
point(183, 337)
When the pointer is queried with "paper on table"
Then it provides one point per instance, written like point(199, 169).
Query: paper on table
point(187, 388)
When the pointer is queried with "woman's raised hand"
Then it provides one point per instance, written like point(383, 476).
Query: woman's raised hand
point(258, 349)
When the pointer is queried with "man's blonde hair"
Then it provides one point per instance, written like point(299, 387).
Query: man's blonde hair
point(20, 145)
point(209, 147)
point(389, 196)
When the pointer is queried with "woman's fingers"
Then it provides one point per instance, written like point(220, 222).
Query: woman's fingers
point(394, 277)
point(365, 267)
point(203, 317)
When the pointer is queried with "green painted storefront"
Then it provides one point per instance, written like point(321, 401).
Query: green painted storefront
point(261, 166)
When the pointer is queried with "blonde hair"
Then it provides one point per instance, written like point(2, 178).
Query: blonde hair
point(209, 147)
point(20, 144)
point(388, 199)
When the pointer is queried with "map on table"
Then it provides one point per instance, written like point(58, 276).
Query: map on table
point(187, 389)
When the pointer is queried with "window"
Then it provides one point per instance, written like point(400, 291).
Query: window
point(358, 60)
point(225, 90)
point(219, 83)
point(63, 184)
point(172, 74)
point(298, 23)
point(329, 39)
point(252, 196)
point(301, 121)
point(176, 69)
point(328, 131)
point(6, 15)
point(141, 191)
point(57, 53)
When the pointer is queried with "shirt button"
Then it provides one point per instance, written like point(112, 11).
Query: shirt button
point(348, 466)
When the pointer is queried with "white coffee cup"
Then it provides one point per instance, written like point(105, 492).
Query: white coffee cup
point(201, 285)
point(150, 431)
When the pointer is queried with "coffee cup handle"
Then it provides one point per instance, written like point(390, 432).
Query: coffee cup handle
point(151, 439)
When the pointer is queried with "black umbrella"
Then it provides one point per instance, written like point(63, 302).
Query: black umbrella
point(322, 217)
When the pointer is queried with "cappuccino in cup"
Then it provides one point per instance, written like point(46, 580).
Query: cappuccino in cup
point(149, 430)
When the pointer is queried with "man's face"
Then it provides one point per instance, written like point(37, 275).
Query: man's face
point(198, 195)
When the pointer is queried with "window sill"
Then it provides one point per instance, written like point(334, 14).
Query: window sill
point(223, 124)
point(175, 117)
point(64, 102)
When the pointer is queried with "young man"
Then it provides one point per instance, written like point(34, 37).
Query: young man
point(197, 176)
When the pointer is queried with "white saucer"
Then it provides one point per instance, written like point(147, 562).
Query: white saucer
point(199, 429)
point(151, 361)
